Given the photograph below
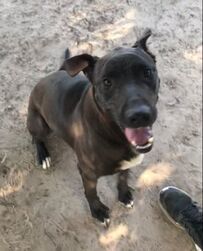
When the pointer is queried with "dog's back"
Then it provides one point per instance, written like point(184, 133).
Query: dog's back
point(61, 87)
point(57, 88)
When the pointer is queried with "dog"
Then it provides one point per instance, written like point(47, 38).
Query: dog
point(106, 115)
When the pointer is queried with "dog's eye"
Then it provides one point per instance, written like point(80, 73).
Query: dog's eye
point(107, 83)
point(148, 73)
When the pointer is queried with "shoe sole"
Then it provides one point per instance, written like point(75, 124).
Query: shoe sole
point(170, 219)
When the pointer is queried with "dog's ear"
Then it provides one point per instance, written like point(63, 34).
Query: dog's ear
point(76, 64)
point(142, 43)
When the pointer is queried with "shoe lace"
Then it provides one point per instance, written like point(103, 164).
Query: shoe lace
point(191, 218)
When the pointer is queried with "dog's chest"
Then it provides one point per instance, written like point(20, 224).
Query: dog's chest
point(124, 165)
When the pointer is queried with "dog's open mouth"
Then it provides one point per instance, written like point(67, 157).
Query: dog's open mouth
point(141, 138)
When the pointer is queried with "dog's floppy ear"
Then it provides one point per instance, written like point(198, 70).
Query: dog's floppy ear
point(142, 43)
point(76, 64)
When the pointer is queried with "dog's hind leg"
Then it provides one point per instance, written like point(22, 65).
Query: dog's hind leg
point(124, 191)
point(39, 130)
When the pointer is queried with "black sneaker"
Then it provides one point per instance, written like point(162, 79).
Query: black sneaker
point(183, 212)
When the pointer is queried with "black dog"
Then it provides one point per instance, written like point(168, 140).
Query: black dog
point(106, 117)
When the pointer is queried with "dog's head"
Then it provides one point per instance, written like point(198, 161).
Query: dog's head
point(126, 84)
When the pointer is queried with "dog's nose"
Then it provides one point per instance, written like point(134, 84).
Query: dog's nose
point(139, 116)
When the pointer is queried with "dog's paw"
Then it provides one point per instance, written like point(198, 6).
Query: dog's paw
point(130, 204)
point(43, 156)
point(106, 223)
point(126, 198)
point(46, 163)
point(44, 160)
point(100, 212)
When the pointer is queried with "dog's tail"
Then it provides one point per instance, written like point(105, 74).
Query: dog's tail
point(67, 55)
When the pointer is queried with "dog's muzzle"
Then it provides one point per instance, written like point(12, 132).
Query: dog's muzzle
point(140, 138)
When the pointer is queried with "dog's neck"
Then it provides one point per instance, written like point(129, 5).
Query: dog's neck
point(100, 120)
point(93, 96)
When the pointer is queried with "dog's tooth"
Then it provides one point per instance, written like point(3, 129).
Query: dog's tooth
point(151, 140)
point(148, 145)
point(133, 143)
point(139, 147)
point(144, 147)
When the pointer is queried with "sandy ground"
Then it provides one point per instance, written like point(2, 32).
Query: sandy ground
point(47, 211)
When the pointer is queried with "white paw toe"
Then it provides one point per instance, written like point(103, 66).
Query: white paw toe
point(48, 162)
point(130, 204)
point(106, 222)
point(44, 164)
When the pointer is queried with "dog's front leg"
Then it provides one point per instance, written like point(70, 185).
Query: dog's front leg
point(98, 209)
point(124, 191)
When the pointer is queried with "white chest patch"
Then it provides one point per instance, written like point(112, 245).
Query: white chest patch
point(131, 163)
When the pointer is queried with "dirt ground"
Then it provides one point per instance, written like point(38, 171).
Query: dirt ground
point(47, 211)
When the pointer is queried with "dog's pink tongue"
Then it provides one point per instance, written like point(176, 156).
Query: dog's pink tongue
point(138, 136)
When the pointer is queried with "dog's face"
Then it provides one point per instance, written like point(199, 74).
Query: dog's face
point(126, 86)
